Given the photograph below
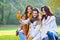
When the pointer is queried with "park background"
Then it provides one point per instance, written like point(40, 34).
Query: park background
point(8, 11)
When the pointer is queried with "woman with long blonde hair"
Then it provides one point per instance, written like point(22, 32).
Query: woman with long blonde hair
point(34, 26)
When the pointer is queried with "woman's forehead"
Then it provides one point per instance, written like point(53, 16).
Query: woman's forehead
point(34, 11)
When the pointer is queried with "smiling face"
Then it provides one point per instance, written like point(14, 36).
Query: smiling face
point(29, 9)
point(43, 11)
point(34, 14)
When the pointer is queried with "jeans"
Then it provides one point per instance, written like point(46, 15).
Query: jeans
point(21, 36)
point(45, 38)
point(51, 35)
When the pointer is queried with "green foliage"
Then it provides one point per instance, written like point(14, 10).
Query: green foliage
point(10, 8)
point(55, 6)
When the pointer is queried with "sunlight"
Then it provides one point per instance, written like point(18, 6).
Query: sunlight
point(7, 32)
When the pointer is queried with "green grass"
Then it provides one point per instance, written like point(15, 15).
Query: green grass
point(59, 31)
point(9, 37)
point(7, 32)
point(8, 27)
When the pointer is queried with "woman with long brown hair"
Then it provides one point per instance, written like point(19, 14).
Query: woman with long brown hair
point(28, 14)
point(49, 27)
point(25, 28)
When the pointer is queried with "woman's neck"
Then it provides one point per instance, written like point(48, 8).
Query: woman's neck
point(33, 19)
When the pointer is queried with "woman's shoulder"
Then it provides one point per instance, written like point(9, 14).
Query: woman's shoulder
point(52, 17)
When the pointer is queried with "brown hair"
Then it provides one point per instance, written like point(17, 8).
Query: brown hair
point(35, 9)
point(37, 18)
point(48, 12)
point(27, 9)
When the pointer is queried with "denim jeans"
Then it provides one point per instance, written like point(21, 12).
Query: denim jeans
point(51, 35)
point(21, 36)
point(45, 38)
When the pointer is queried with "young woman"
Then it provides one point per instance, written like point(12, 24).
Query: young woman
point(25, 28)
point(28, 14)
point(35, 24)
point(34, 27)
point(49, 27)
point(21, 28)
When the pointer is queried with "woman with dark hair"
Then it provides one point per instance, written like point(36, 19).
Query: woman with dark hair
point(49, 27)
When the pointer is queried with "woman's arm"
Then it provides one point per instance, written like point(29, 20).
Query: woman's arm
point(50, 19)
point(24, 21)
point(52, 23)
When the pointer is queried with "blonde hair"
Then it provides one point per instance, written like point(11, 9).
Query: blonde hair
point(38, 16)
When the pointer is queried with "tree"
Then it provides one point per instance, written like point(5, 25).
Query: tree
point(2, 12)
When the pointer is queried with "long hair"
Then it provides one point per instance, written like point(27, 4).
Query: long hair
point(37, 17)
point(48, 12)
point(27, 9)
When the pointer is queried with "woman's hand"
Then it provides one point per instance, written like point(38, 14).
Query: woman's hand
point(18, 15)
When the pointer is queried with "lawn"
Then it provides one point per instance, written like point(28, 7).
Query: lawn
point(59, 31)
point(7, 32)
point(9, 37)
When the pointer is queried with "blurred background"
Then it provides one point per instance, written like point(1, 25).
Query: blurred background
point(8, 11)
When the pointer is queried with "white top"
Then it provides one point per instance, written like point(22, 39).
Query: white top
point(22, 22)
point(33, 28)
point(49, 25)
